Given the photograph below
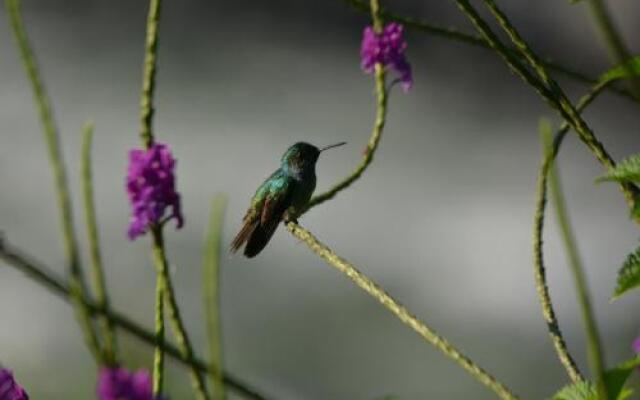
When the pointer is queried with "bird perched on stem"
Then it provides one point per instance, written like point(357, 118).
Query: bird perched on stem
point(282, 196)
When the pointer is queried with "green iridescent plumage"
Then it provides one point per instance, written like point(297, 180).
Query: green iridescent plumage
point(281, 196)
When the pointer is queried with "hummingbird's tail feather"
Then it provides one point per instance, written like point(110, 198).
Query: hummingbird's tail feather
point(259, 238)
point(244, 235)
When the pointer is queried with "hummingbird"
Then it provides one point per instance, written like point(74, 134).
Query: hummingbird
point(282, 196)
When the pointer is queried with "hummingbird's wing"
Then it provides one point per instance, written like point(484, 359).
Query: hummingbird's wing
point(264, 215)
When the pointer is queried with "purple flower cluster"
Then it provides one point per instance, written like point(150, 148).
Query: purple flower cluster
point(636, 346)
point(120, 384)
point(151, 188)
point(9, 388)
point(386, 48)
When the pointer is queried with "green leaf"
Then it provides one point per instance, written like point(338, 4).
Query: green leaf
point(614, 380)
point(629, 275)
point(577, 391)
point(635, 211)
point(622, 70)
point(628, 170)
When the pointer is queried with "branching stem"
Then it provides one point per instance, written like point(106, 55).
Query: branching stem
point(548, 88)
point(542, 288)
point(165, 285)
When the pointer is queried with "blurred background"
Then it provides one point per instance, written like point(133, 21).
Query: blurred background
point(442, 219)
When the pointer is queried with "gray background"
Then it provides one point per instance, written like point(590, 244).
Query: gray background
point(442, 219)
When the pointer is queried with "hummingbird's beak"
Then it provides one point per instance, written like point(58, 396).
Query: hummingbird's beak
point(332, 146)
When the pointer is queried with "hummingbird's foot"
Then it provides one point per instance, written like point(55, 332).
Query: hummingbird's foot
point(290, 217)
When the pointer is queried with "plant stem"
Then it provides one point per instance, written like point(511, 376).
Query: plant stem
point(41, 275)
point(161, 288)
point(375, 291)
point(99, 284)
point(614, 42)
point(382, 97)
point(560, 101)
point(163, 279)
point(553, 94)
point(179, 331)
point(542, 288)
point(51, 135)
point(594, 346)
point(211, 289)
point(146, 135)
point(149, 73)
point(454, 34)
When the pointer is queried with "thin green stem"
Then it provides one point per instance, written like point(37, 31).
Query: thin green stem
point(42, 275)
point(614, 42)
point(552, 93)
point(596, 359)
point(179, 331)
point(455, 34)
point(99, 284)
point(542, 288)
point(382, 97)
point(146, 135)
point(404, 315)
point(164, 284)
point(51, 135)
point(548, 312)
point(560, 101)
point(211, 289)
point(161, 288)
point(149, 73)
point(510, 58)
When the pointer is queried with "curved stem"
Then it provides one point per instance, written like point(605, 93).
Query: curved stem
point(99, 284)
point(596, 358)
point(404, 315)
point(542, 289)
point(42, 275)
point(378, 126)
point(51, 135)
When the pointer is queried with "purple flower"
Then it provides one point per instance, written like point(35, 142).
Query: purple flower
point(9, 388)
point(151, 188)
point(386, 48)
point(120, 384)
point(636, 346)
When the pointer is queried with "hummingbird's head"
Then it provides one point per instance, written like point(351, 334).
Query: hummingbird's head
point(301, 158)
